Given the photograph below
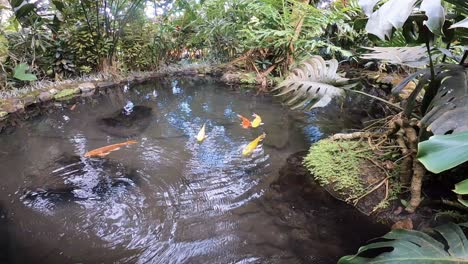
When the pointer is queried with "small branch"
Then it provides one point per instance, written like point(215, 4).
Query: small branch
point(354, 135)
point(377, 98)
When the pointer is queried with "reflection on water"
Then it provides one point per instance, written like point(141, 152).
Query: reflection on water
point(167, 199)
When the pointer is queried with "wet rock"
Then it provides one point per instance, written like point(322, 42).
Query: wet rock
point(317, 224)
point(277, 140)
point(29, 100)
point(70, 178)
point(3, 114)
point(12, 105)
point(125, 123)
point(105, 85)
point(5, 239)
point(86, 87)
point(406, 223)
point(66, 94)
point(45, 96)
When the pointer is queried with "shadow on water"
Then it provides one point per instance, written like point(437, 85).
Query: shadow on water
point(168, 198)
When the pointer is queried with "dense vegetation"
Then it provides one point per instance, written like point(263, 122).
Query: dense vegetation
point(423, 40)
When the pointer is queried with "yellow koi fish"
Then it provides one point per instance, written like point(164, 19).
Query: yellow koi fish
point(253, 145)
point(201, 134)
point(257, 121)
point(104, 151)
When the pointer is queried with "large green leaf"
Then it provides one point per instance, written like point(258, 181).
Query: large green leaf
point(435, 15)
point(312, 84)
point(409, 246)
point(24, 10)
point(415, 57)
point(20, 73)
point(463, 23)
point(394, 13)
point(447, 111)
point(443, 152)
point(461, 187)
point(445, 103)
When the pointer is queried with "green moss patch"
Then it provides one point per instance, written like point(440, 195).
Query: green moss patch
point(66, 94)
point(248, 78)
point(338, 163)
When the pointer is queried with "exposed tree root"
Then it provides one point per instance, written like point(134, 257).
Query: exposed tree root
point(403, 132)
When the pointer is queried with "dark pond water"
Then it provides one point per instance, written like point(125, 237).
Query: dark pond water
point(168, 198)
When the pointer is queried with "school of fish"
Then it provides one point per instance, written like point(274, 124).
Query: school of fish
point(201, 136)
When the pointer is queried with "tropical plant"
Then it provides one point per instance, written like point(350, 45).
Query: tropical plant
point(410, 246)
point(395, 13)
point(20, 73)
point(443, 152)
point(313, 83)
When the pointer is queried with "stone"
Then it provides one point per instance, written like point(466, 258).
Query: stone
point(68, 178)
point(29, 100)
point(105, 85)
point(66, 94)
point(126, 124)
point(406, 223)
point(45, 96)
point(53, 91)
point(87, 87)
point(12, 105)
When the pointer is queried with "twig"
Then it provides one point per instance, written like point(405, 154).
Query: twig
point(371, 191)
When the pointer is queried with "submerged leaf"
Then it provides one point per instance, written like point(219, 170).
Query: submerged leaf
point(443, 152)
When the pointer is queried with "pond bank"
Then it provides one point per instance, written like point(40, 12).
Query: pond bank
point(28, 102)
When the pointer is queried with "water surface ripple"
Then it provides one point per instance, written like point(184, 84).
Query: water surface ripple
point(167, 199)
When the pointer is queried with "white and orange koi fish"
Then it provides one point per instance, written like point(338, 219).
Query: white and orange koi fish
point(104, 151)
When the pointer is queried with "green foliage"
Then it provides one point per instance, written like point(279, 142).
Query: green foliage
point(20, 73)
point(337, 163)
point(443, 152)
point(394, 14)
point(415, 57)
point(409, 246)
point(3, 48)
point(445, 102)
point(311, 84)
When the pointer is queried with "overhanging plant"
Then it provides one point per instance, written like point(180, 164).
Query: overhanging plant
point(445, 102)
point(447, 244)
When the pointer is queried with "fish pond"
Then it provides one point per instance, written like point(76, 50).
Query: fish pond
point(169, 198)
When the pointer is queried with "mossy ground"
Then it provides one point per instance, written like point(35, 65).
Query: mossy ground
point(338, 163)
point(351, 171)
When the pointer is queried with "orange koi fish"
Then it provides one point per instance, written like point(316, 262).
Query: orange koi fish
point(257, 121)
point(104, 151)
point(245, 122)
point(253, 145)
